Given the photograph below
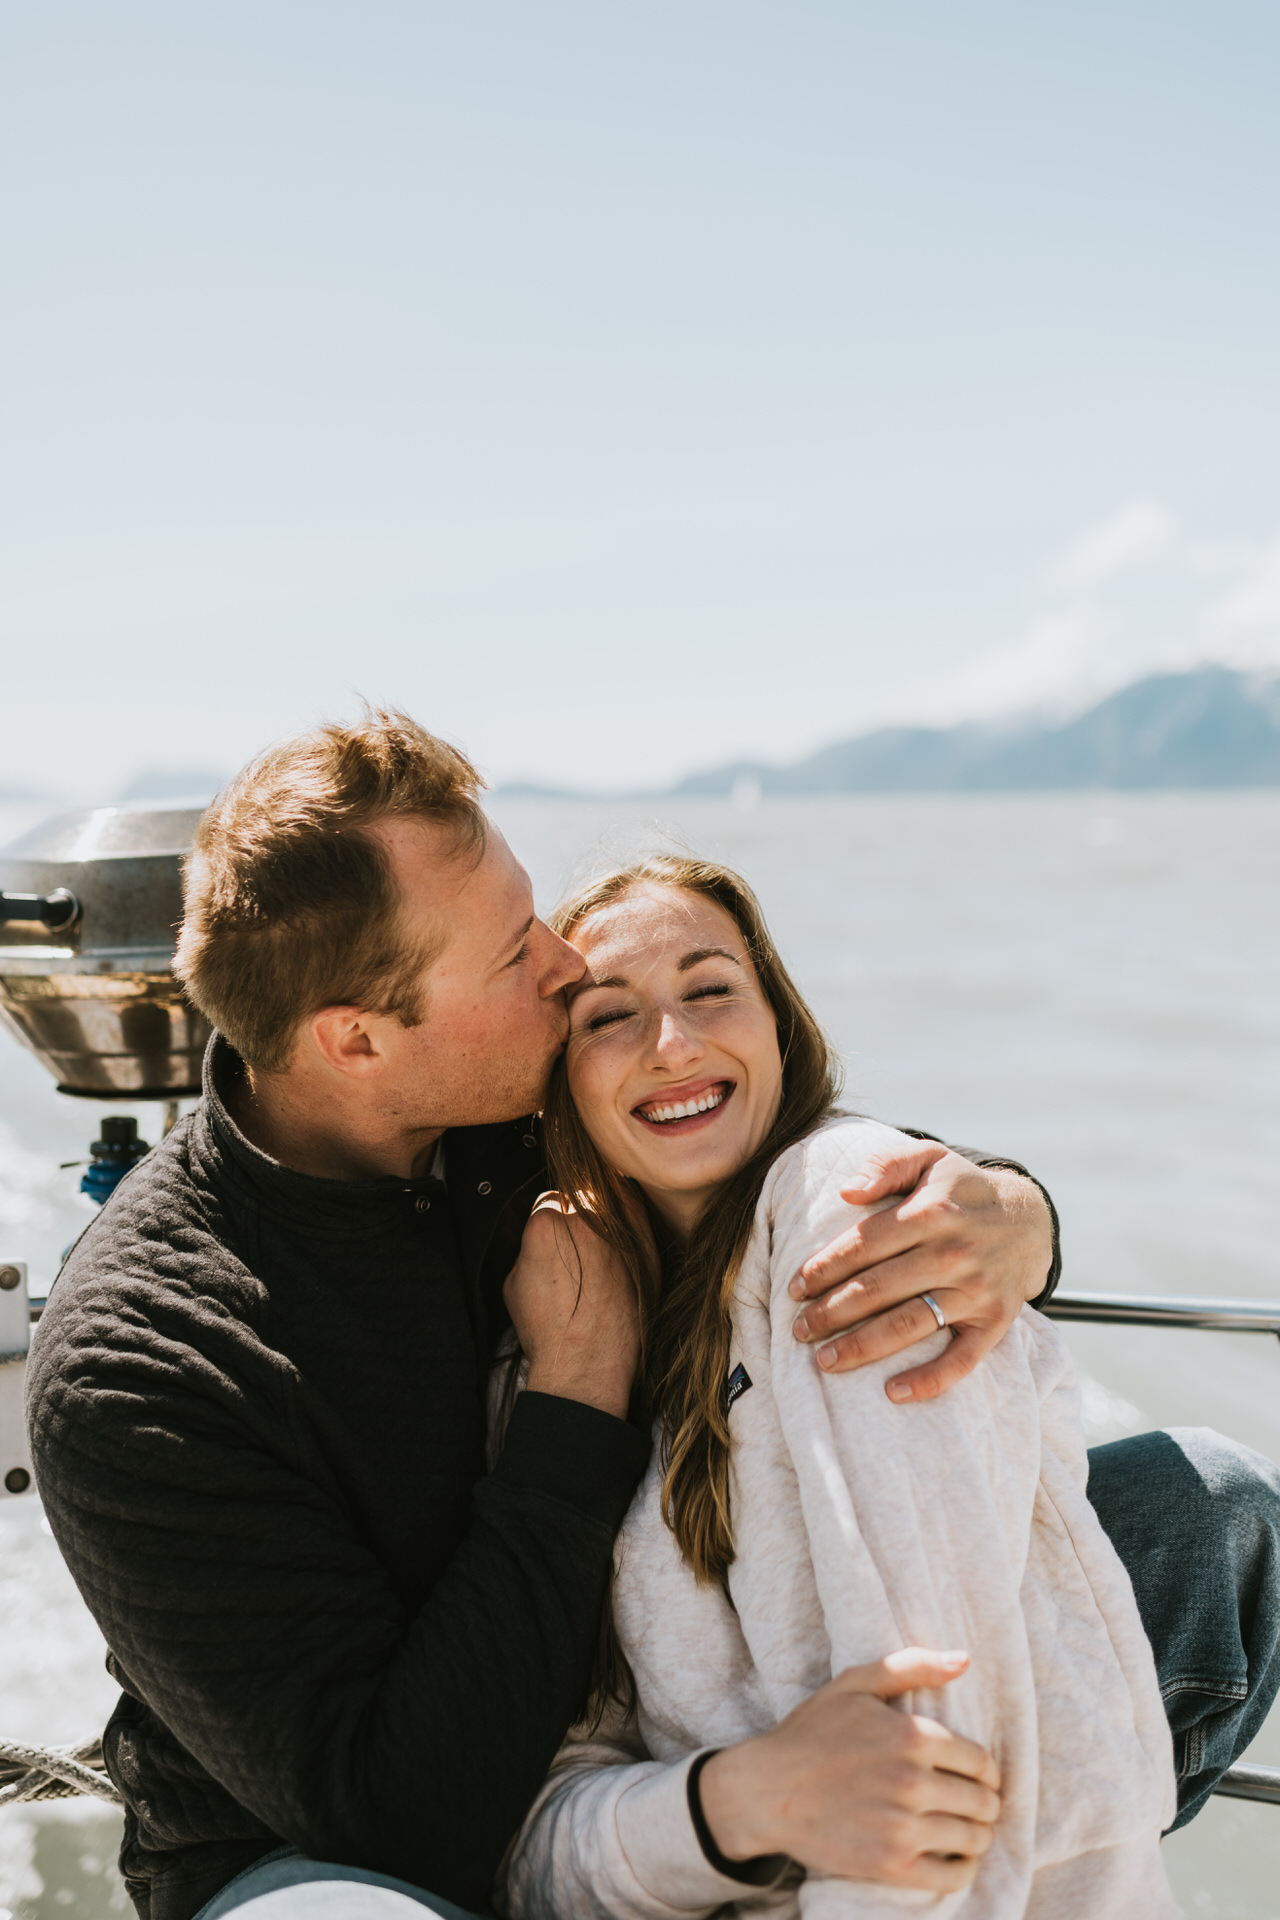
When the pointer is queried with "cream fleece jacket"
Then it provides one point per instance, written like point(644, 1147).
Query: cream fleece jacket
point(862, 1527)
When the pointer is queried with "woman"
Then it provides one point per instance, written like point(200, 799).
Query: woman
point(794, 1523)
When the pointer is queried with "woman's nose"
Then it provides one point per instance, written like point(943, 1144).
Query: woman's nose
point(672, 1045)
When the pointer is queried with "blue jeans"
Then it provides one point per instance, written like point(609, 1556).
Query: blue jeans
point(1196, 1520)
point(286, 1869)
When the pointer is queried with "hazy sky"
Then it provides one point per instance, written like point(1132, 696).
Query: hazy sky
point(624, 387)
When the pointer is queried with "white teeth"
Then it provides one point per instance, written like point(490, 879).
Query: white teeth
point(684, 1109)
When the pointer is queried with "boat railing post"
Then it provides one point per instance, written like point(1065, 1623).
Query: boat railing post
point(15, 1341)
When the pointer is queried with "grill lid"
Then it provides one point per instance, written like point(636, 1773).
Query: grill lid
point(91, 908)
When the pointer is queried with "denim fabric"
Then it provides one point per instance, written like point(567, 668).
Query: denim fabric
point(277, 1872)
point(1196, 1520)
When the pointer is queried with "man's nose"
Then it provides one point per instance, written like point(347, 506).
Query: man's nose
point(562, 967)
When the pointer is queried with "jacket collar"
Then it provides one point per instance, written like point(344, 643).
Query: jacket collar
point(484, 1165)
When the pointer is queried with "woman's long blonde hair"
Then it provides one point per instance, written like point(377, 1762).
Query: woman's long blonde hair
point(684, 1307)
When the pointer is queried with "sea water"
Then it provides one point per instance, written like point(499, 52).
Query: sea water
point(1087, 983)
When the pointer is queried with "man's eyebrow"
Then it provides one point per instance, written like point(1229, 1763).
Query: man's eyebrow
point(706, 953)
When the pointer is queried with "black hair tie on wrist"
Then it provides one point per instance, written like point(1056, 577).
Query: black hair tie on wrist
point(765, 1870)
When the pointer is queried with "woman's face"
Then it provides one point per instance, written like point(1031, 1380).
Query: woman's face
point(673, 1049)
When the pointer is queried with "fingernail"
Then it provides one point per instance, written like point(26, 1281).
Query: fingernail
point(953, 1659)
point(800, 1327)
point(827, 1357)
point(796, 1288)
point(898, 1390)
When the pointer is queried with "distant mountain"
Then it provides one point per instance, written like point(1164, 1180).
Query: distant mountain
point(1209, 728)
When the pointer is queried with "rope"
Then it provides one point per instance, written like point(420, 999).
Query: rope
point(53, 1773)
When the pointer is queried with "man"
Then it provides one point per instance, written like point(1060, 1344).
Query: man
point(346, 1651)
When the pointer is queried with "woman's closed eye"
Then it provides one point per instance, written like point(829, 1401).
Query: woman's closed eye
point(608, 1018)
point(614, 1016)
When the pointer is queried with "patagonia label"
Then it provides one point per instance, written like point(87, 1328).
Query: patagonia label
point(736, 1385)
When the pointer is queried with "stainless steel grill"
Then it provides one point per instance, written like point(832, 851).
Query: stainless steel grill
point(90, 903)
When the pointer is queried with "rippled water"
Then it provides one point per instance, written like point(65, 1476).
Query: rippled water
point(1086, 982)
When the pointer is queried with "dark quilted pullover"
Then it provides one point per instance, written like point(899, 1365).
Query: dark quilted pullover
point(256, 1411)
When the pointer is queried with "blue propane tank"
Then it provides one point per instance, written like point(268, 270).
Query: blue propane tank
point(113, 1155)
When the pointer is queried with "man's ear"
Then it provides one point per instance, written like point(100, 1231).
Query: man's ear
point(347, 1039)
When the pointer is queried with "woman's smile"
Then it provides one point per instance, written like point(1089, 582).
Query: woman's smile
point(680, 1110)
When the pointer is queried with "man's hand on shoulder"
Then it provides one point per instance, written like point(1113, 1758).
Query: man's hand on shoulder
point(978, 1239)
point(848, 1785)
point(574, 1310)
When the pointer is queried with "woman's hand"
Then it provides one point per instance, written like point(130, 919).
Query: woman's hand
point(848, 1785)
point(979, 1239)
point(574, 1310)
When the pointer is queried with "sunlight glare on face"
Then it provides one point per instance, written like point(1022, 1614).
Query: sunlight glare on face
point(673, 1056)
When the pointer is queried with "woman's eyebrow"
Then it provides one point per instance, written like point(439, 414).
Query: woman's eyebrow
point(589, 985)
point(706, 953)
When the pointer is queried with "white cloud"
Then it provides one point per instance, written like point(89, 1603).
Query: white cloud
point(1135, 534)
point(1215, 559)
point(1221, 603)
point(1059, 658)
point(1244, 624)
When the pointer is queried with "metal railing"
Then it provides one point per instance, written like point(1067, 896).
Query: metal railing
point(1167, 1310)
point(1244, 1782)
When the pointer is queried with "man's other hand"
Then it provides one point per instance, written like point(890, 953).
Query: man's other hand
point(848, 1785)
point(979, 1239)
point(574, 1310)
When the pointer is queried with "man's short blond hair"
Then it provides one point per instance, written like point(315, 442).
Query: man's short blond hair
point(290, 901)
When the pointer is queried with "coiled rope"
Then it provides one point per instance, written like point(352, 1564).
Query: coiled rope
point(53, 1773)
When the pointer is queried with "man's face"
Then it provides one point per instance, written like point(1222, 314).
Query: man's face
point(494, 1003)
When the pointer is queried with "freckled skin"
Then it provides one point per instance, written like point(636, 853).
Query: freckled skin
point(669, 1009)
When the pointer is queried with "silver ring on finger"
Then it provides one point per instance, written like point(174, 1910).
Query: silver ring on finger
point(934, 1309)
